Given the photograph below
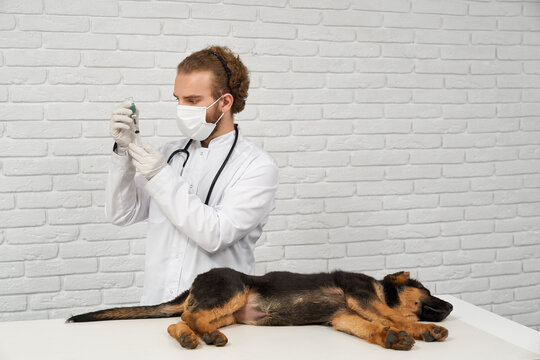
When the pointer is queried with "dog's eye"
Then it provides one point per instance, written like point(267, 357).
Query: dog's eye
point(416, 303)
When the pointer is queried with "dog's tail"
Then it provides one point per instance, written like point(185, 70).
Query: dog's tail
point(168, 309)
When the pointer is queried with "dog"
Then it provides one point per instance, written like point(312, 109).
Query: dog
point(382, 312)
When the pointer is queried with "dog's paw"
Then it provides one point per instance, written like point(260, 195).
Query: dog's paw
point(188, 340)
point(435, 333)
point(398, 340)
point(215, 338)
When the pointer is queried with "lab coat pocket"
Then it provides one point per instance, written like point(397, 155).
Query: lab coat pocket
point(154, 213)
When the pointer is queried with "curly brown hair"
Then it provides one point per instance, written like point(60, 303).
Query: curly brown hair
point(235, 81)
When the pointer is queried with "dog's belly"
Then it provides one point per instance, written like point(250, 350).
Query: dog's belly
point(299, 308)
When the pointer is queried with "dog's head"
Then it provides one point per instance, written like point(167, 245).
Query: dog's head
point(412, 299)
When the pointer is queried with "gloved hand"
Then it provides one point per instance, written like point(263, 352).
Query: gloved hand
point(121, 127)
point(147, 160)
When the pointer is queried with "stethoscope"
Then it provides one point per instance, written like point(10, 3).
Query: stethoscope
point(185, 151)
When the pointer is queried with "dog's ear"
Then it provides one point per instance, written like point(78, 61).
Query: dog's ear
point(399, 278)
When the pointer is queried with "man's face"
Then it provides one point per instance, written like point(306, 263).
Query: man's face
point(195, 89)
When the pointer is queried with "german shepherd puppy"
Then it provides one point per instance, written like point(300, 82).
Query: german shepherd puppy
point(382, 312)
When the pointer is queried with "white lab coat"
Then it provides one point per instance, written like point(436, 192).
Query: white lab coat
point(185, 237)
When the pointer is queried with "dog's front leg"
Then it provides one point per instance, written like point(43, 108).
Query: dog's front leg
point(420, 331)
point(371, 331)
point(379, 312)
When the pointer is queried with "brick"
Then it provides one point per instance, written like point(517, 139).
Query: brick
point(87, 76)
point(290, 16)
point(461, 286)
point(378, 218)
point(126, 26)
point(416, 231)
point(315, 251)
point(269, 253)
point(30, 286)
point(80, 7)
point(53, 200)
point(11, 270)
point(29, 94)
point(297, 237)
point(405, 261)
point(319, 4)
point(42, 58)
point(355, 174)
point(121, 264)
point(224, 12)
point(118, 59)
point(440, 7)
point(299, 176)
point(60, 267)
point(322, 128)
point(380, 247)
point(322, 96)
point(466, 199)
point(352, 204)
point(304, 206)
point(15, 75)
point(318, 159)
point(42, 235)
point(125, 297)
point(16, 112)
point(65, 300)
point(20, 40)
point(315, 221)
point(413, 172)
point(305, 266)
point(468, 170)
point(355, 142)
point(53, 23)
point(262, 31)
point(413, 246)
point(357, 264)
point(7, 201)
point(76, 216)
point(195, 27)
point(410, 202)
point(97, 281)
point(26, 7)
point(42, 130)
point(25, 183)
point(79, 41)
point(13, 303)
point(468, 228)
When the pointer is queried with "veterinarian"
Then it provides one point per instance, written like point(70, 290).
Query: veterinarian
point(207, 196)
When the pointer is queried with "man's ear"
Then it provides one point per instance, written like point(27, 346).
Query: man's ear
point(226, 102)
point(399, 278)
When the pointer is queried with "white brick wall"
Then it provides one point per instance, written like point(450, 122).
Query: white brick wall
point(407, 134)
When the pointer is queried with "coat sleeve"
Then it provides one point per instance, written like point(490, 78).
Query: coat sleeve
point(244, 206)
point(126, 200)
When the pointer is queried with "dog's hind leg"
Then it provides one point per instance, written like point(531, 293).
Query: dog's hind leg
point(184, 335)
point(371, 331)
point(205, 322)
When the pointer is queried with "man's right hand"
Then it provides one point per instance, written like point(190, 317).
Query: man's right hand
point(121, 127)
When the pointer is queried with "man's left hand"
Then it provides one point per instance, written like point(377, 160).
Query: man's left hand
point(147, 160)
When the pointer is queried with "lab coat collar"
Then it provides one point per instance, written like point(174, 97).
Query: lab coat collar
point(221, 140)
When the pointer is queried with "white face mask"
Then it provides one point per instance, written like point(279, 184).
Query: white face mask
point(191, 121)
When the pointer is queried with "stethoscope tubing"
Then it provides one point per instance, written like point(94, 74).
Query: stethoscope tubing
point(186, 151)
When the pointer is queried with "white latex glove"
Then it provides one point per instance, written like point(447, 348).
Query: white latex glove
point(147, 160)
point(121, 127)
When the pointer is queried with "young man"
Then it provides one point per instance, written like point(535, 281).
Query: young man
point(206, 197)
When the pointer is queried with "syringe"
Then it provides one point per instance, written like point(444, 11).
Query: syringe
point(135, 121)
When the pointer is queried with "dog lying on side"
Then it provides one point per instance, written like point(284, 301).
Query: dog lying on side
point(382, 312)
